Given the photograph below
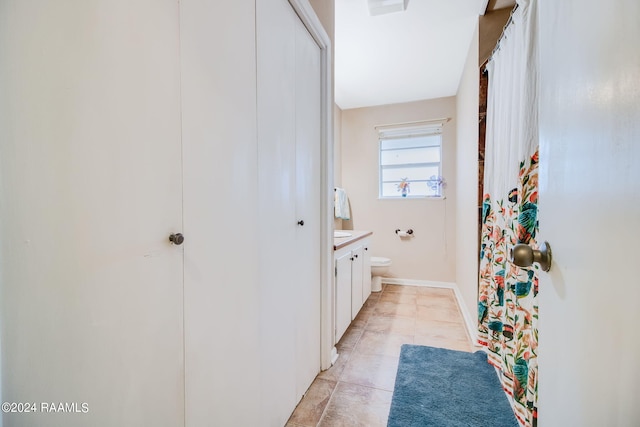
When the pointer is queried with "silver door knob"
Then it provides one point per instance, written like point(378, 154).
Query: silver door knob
point(524, 256)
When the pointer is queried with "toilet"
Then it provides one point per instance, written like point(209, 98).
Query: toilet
point(379, 266)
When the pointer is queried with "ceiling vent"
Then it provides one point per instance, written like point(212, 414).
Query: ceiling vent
point(381, 7)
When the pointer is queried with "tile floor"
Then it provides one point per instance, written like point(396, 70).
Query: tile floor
point(357, 390)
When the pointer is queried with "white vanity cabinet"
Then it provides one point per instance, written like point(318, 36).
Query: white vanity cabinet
point(356, 280)
point(343, 292)
point(353, 279)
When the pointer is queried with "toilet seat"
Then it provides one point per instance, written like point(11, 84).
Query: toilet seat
point(377, 261)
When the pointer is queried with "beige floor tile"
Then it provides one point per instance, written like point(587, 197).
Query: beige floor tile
point(435, 292)
point(400, 288)
point(357, 406)
point(312, 406)
point(451, 344)
point(449, 314)
point(365, 312)
point(381, 343)
point(350, 338)
point(399, 297)
point(436, 301)
point(392, 309)
point(441, 329)
point(358, 322)
point(335, 372)
point(372, 371)
point(373, 298)
point(394, 325)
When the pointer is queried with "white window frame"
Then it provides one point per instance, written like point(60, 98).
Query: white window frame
point(407, 130)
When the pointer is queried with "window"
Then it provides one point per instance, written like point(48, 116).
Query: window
point(411, 160)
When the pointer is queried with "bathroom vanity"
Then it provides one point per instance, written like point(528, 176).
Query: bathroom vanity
point(352, 261)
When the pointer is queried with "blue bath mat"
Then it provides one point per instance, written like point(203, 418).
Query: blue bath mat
point(436, 387)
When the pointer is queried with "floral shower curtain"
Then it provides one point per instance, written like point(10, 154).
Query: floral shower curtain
point(507, 305)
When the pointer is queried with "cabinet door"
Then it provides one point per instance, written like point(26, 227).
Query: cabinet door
point(356, 280)
point(343, 293)
point(366, 271)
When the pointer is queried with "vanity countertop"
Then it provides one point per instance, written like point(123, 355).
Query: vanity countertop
point(341, 242)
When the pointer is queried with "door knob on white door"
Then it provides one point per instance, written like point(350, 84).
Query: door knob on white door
point(524, 256)
point(176, 239)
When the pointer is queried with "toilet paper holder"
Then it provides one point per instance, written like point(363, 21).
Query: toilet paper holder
point(400, 233)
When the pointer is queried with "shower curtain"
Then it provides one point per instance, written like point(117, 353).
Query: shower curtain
point(507, 305)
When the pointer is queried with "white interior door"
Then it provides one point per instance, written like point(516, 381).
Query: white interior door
point(590, 212)
point(91, 288)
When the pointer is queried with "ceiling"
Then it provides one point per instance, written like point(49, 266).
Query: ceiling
point(404, 56)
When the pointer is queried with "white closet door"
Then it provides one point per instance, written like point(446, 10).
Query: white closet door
point(276, 48)
point(289, 132)
point(91, 288)
point(222, 288)
point(308, 157)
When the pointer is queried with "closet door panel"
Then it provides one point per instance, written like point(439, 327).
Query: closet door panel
point(308, 157)
point(222, 286)
point(278, 224)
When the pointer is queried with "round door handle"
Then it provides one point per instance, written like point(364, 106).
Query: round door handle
point(176, 238)
point(524, 255)
point(301, 223)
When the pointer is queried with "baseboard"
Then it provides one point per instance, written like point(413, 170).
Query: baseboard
point(469, 320)
point(414, 282)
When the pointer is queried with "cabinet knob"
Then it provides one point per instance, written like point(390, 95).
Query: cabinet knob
point(366, 249)
point(351, 258)
point(301, 223)
point(355, 256)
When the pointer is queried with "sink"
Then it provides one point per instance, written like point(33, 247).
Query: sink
point(341, 234)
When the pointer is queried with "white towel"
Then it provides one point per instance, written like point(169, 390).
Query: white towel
point(341, 204)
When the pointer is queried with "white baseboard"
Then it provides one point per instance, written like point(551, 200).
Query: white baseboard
point(469, 320)
point(414, 282)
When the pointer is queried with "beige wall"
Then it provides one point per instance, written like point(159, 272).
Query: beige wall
point(337, 155)
point(337, 145)
point(467, 180)
point(430, 255)
point(325, 9)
